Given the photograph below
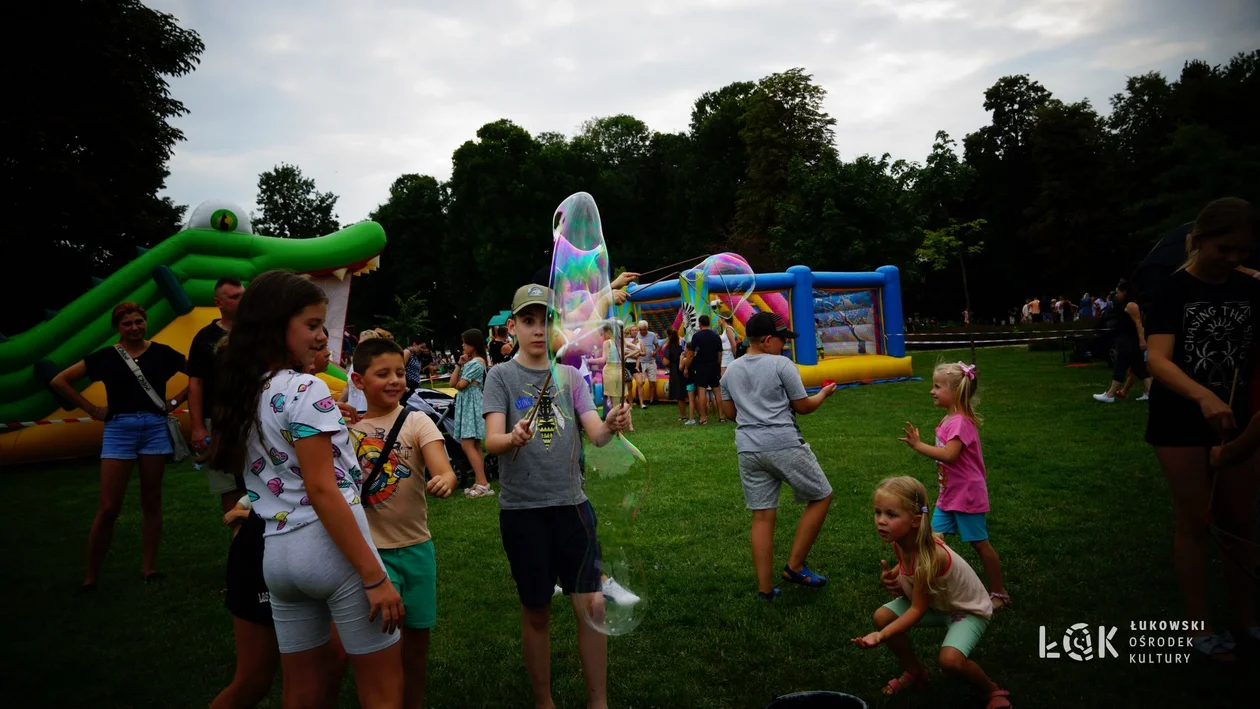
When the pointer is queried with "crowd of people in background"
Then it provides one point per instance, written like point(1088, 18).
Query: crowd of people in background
point(1040, 309)
point(1064, 310)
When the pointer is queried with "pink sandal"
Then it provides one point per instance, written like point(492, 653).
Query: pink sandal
point(906, 681)
point(997, 699)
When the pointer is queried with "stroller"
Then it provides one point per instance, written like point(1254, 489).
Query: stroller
point(440, 408)
point(1099, 345)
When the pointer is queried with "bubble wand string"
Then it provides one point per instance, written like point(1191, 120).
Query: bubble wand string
point(662, 268)
point(667, 275)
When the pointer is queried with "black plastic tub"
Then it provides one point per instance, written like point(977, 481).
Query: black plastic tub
point(817, 700)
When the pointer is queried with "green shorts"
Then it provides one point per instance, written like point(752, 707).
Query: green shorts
point(413, 571)
point(965, 629)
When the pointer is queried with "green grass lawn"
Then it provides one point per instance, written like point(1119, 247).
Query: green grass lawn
point(1081, 517)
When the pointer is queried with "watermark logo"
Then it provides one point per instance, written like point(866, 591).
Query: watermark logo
point(1078, 643)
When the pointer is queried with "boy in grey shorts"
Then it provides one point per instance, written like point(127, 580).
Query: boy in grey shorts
point(762, 392)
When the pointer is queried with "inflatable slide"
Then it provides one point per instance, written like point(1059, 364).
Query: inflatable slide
point(174, 282)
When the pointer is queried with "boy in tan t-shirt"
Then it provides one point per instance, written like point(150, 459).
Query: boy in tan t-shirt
point(395, 503)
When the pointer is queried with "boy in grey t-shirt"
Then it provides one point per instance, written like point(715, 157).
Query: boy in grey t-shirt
point(547, 524)
point(763, 392)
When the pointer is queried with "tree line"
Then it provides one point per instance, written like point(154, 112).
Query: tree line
point(1049, 198)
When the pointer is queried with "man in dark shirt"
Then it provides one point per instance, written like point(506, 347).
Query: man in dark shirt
point(201, 363)
point(500, 349)
point(704, 360)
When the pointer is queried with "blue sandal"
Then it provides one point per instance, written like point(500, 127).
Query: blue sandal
point(804, 577)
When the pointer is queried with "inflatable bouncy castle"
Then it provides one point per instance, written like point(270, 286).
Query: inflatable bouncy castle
point(849, 324)
point(173, 281)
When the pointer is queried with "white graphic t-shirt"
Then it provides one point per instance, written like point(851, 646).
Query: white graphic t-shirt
point(292, 407)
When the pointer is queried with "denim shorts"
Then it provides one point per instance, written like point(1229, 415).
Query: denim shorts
point(129, 436)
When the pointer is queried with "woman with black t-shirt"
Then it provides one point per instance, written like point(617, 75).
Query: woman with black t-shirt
point(500, 349)
point(1130, 338)
point(1201, 334)
point(135, 429)
point(677, 383)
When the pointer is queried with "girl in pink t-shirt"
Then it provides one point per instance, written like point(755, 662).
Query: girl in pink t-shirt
point(964, 496)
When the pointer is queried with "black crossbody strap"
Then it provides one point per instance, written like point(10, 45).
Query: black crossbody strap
point(385, 450)
point(144, 383)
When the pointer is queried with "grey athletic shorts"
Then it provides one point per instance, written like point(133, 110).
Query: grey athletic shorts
point(762, 473)
point(311, 583)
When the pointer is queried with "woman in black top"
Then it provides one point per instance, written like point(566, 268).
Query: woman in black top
point(1130, 339)
point(677, 383)
point(135, 429)
point(1202, 332)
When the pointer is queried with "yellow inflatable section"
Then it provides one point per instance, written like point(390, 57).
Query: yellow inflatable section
point(74, 440)
point(853, 369)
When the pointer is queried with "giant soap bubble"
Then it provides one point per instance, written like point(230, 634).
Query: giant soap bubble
point(720, 286)
point(614, 477)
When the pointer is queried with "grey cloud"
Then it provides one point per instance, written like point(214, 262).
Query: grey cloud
point(358, 93)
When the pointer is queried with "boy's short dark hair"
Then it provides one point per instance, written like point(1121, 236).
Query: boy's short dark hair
point(227, 281)
point(369, 350)
point(704, 320)
point(417, 339)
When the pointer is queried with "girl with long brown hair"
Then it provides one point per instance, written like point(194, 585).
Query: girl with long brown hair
point(281, 428)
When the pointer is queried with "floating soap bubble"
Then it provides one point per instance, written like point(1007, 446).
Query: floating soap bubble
point(615, 477)
point(720, 286)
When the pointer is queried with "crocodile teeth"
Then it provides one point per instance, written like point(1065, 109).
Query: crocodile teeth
point(372, 264)
point(340, 274)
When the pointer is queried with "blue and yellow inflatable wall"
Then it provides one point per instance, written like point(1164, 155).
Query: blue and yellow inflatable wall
point(850, 325)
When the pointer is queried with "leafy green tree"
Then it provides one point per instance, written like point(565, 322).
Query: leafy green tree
point(499, 230)
point(1076, 209)
point(784, 122)
point(289, 206)
point(87, 141)
point(1006, 183)
point(847, 216)
point(415, 223)
point(408, 318)
point(716, 164)
point(953, 243)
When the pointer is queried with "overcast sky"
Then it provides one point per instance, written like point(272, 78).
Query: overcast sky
point(357, 92)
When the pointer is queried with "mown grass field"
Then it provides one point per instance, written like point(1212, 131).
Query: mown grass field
point(1081, 517)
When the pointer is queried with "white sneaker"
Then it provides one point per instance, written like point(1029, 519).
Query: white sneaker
point(558, 590)
point(1105, 398)
point(1144, 397)
point(619, 594)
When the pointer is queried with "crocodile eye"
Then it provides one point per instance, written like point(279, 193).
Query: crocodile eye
point(218, 215)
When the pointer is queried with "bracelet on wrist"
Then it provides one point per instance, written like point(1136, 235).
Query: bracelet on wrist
point(378, 583)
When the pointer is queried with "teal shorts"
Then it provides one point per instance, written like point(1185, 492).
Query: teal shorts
point(965, 629)
point(413, 571)
point(969, 526)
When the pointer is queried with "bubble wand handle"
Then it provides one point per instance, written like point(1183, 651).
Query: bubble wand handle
point(533, 410)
